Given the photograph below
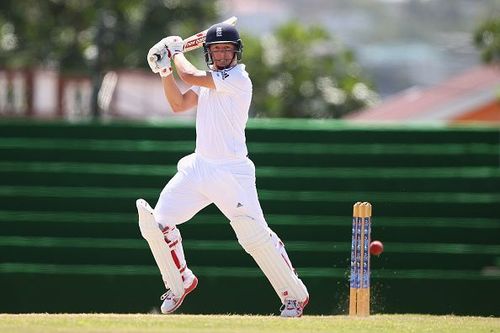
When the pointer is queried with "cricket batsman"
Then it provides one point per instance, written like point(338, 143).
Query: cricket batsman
point(218, 171)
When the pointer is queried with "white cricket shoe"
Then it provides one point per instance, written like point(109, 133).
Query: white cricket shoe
point(171, 302)
point(292, 308)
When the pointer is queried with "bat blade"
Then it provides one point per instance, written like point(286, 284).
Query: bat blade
point(196, 41)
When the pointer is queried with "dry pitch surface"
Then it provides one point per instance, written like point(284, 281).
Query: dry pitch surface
point(148, 323)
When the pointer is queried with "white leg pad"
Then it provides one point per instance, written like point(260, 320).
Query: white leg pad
point(269, 252)
point(169, 260)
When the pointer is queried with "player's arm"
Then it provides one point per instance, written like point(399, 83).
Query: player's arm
point(192, 75)
point(159, 59)
point(177, 100)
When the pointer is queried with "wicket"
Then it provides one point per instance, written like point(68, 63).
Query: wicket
point(359, 292)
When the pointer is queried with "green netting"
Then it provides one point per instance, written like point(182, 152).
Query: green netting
point(67, 213)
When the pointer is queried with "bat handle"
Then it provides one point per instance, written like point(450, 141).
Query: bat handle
point(154, 57)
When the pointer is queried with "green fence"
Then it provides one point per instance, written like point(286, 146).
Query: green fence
point(69, 239)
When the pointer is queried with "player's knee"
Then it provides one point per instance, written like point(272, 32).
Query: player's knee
point(147, 224)
point(251, 233)
point(151, 228)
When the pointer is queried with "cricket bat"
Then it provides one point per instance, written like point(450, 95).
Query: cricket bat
point(196, 41)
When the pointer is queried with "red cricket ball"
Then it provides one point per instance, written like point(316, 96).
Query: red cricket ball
point(376, 248)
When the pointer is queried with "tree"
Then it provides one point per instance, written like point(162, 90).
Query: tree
point(75, 35)
point(92, 36)
point(302, 71)
point(487, 40)
point(297, 71)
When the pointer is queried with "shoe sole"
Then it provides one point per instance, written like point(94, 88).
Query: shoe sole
point(186, 292)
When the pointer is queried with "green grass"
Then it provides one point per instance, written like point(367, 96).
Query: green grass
point(110, 323)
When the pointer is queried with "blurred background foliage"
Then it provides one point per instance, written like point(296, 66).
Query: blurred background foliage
point(487, 40)
point(297, 70)
point(304, 72)
point(77, 35)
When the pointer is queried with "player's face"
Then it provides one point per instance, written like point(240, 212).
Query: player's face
point(223, 54)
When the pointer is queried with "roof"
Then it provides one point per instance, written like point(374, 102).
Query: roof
point(458, 98)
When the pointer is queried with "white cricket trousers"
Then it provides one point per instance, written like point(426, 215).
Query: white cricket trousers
point(200, 182)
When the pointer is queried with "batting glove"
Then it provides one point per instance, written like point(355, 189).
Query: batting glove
point(174, 44)
point(160, 59)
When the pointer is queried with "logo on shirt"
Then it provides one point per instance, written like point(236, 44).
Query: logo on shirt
point(224, 75)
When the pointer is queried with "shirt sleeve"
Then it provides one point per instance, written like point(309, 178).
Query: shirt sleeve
point(231, 81)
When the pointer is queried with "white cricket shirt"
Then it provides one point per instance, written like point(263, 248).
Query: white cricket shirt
point(222, 114)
